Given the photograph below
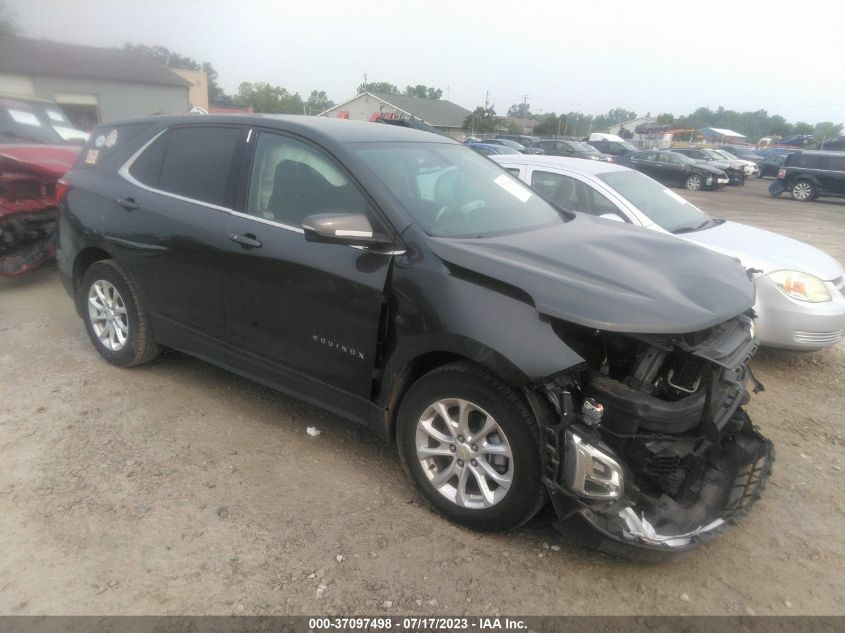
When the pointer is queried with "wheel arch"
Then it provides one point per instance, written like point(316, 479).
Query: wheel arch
point(82, 262)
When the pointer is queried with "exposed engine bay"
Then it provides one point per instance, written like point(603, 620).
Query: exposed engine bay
point(652, 447)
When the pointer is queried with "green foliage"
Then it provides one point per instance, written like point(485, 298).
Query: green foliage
point(825, 131)
point(264, 97)
point(168, 58)
point(801, 128)
point(421, 91)
point(482, 120)
point(318, 102)
point(520, 110)
point(666, 118)
point(382, 87)
point(548, 124)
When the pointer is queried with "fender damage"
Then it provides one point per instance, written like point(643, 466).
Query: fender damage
point(646, 449)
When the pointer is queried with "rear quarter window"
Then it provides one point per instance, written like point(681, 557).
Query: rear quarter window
point(834, 163)
point(105, 141)
point(807, 161)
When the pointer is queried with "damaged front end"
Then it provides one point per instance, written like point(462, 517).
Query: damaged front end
point(28, 204)
point(647, 452)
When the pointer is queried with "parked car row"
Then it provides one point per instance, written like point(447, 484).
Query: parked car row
point(800, 302)
point(519, 352)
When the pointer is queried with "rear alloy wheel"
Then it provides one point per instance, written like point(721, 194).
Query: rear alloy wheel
point(114, 317)
point(471, 445)
point(693, 182)
point(803, 191)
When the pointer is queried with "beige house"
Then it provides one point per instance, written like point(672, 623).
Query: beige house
point(198, 91)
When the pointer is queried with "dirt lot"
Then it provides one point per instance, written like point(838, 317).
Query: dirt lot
point(177, 488)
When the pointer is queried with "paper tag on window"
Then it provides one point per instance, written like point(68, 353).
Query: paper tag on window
point(92, 156)
point(26, 118)
point(518, 191)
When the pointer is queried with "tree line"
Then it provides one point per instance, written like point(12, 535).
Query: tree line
point(753, 124)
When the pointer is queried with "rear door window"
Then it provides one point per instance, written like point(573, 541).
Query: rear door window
point(198, 163)
point(834, 163)
point(807, 161)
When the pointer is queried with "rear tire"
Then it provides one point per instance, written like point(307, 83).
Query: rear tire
point(472, 447)
point(804, 191)
point(114, 316)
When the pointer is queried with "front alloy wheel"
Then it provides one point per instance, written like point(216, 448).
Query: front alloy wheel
point(464, 453)
point(693, 182)
point(471, 445)
point(803, 191)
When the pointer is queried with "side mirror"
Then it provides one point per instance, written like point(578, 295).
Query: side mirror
point(611, 216)
point(351, 229)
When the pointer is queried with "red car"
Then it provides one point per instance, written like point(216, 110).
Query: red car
point(33, 156)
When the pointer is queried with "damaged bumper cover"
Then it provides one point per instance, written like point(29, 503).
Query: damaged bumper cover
point(653, 460)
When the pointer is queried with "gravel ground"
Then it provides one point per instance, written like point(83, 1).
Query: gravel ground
point(178, 488)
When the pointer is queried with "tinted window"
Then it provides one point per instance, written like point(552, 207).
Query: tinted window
point(646, 156)
point(807, 161)
point(450, 191)
point(198, 162)
point(836, 163)
point(147, 167)
point(291, 180)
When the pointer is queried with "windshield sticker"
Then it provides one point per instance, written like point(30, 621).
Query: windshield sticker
point(514, 188)
point(111, 139)
point(26, 118)
point(92, 156)
point(99, 140)
point(55, 116)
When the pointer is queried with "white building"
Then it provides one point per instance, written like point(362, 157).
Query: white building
point(445, 116)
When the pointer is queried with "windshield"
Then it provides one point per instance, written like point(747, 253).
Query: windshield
point(714, 154)
point(453, 192)
point(664, 207)
point(629, 147)
point(583, 147)
point(685, 159)
point(20, 123)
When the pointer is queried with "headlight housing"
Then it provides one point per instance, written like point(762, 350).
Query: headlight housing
point(801, 286)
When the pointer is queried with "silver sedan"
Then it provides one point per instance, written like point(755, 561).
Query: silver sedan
point(800, 289)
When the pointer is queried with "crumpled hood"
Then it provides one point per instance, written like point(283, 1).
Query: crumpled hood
point(610, 276)
point(765, 250)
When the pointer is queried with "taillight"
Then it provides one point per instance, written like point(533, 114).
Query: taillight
point(781, 173)
point(62, 187)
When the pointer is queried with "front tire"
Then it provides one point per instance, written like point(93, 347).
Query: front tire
point(693, 182)
point(114, 316)
point(471, 445)
point(804, 191)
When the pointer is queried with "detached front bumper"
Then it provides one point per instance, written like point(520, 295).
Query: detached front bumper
point(635, 525)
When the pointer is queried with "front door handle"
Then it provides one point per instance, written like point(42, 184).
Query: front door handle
point(247, 240)
point(127, 203)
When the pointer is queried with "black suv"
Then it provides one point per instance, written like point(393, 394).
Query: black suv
point(810, 174)
point(515, 352)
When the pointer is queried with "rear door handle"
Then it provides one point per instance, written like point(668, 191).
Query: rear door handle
point(247, 240)
point(127, 203)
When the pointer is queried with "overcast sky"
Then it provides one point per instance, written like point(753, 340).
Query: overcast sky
point(593, 55)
